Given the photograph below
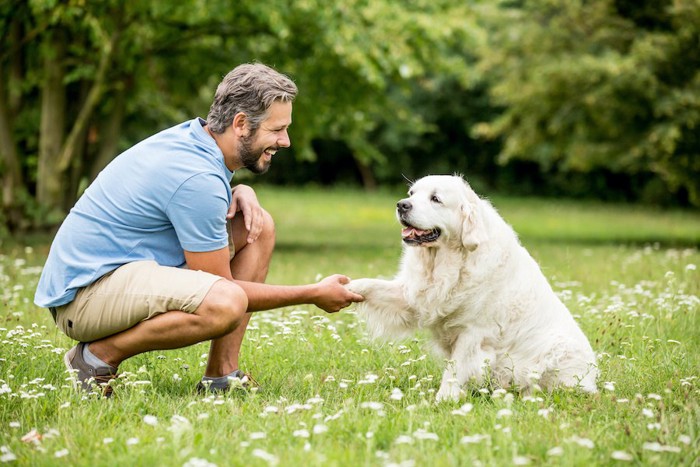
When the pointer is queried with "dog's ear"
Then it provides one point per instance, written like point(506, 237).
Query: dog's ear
point(473, 230)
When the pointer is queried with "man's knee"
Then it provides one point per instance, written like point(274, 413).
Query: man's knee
point(223, 307)
point(268, 231)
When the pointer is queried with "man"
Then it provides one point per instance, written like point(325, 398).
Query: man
point(142, 261)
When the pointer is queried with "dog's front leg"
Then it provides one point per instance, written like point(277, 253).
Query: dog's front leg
point(467, 363)
point(385, 308)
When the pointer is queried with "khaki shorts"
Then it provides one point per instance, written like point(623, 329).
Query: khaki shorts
point(130, 294)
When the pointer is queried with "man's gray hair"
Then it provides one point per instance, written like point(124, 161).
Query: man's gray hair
point(249, 88)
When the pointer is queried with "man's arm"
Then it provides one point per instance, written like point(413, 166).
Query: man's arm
point(329, 294)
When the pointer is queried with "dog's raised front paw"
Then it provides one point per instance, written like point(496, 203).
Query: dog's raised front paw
point(360, 286)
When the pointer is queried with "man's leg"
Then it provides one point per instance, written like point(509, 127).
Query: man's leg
point(250, 263)
point(221, 312)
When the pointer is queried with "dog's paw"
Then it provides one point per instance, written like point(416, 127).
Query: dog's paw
point(451, 392)
point(360, 286)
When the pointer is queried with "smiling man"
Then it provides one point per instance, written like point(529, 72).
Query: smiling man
point(142, 262)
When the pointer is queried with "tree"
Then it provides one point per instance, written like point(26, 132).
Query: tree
point(91, 78)
point(611, 84)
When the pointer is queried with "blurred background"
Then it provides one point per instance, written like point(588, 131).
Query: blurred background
point(556, 98)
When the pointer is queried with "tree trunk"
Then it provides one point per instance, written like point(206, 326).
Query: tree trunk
point(368, 179)
point(53, 111)
point(9, 164)
point(110, 131)
point(73, 142)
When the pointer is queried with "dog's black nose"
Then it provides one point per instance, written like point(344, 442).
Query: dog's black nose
point(403, 206)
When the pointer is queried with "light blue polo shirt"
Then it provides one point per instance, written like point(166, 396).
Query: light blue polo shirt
point(166, 194)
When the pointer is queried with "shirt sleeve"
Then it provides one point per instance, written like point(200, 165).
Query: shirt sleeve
point(198, 210)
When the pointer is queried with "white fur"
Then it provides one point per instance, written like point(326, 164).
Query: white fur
point(480, 294)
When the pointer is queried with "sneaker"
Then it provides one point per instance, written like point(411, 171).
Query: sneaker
point(87, 377)
point(236, 380)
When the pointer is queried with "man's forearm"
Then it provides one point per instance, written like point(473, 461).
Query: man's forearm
point(267, 297)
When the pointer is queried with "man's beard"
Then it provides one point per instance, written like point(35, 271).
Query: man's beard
point(251, 157)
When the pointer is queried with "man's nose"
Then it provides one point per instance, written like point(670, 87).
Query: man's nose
point(283, 140)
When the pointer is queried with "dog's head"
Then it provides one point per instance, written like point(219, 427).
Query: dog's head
point(441, 209)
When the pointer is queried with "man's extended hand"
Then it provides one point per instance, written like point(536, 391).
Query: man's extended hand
point(333, 296)
point(243, 199)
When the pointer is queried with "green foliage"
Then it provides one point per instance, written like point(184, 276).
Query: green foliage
point(598, 84)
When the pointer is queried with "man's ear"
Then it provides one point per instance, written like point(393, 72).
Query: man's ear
point(473, 230)
point(240, 124)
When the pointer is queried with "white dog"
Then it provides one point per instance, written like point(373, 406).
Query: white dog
point(466, 278)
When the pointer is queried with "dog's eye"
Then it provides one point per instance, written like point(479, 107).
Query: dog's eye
point(435, 199)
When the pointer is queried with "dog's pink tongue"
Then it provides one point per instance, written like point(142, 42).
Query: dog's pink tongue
point(412, 232)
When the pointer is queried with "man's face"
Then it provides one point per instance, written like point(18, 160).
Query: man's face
point(256, 149)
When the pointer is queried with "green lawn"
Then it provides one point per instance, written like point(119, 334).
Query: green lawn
point(331, 397)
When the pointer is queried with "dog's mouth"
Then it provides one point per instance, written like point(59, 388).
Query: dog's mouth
point(414, 236)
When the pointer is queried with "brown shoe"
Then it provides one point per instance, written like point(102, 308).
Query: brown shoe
point(87, 377)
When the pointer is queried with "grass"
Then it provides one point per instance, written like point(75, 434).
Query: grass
point(331, 397)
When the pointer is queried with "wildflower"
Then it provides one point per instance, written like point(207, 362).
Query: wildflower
point(61, 453)
point(6, 455)
point(197, 462)
point(315, 400)
point(150, 420)
point(318, 429)
point(474, 439)
point(372, 405)
point(657, 447)
point(685, 439)
point(269, 458)
point(504, 413)
point(583, 442)
point(464, 410)
point(621, 456)
point(396, 394)
point(32, 437)
point(107, 440)
point(609, 385)
point(521, 460)
point(369, 379)
point(555, 451)
point(423, 434)
point(404, 439)
point(301, 434)
point(132, 441)
point(258, 435)
point(648, 413)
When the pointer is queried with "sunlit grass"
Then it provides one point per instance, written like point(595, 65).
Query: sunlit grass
point(329, 396)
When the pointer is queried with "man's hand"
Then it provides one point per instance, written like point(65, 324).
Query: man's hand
point(332, 296)
point(243, 199)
